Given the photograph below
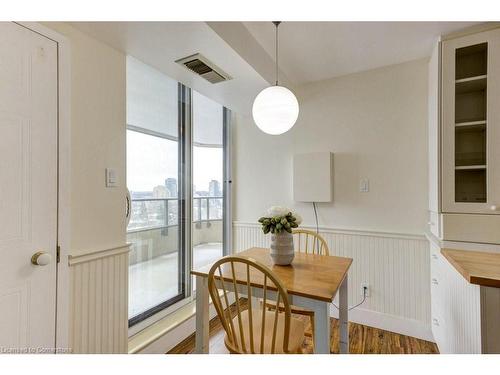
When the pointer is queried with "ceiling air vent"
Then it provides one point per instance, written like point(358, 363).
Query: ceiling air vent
point(200, 65)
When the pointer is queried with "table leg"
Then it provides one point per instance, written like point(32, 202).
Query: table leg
point(202, 318)
point(343, 318)
point(322, 327)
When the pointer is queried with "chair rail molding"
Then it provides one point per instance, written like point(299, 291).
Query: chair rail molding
point(394, 265)
point(99, 301)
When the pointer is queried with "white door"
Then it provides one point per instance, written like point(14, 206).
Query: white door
point(28, 188)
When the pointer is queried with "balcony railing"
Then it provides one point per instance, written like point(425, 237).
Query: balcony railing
point(160, 213)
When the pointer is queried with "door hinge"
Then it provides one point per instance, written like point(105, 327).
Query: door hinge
point(58, 254)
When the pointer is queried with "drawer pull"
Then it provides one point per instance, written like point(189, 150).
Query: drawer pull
point(434, 281)
point(435, 322)
point(434, 256)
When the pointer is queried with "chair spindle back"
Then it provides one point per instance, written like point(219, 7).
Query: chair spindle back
point(309, 242)
point(233, 274)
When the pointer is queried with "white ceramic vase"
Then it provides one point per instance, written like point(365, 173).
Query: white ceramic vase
point(282, 251)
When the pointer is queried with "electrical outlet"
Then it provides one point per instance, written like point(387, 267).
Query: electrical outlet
point(362, 289)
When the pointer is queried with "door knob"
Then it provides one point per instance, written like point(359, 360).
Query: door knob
point(41, 258)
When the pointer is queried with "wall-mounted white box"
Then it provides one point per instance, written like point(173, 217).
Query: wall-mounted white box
point(313, 177)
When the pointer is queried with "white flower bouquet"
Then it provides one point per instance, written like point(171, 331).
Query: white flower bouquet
point(279, 219)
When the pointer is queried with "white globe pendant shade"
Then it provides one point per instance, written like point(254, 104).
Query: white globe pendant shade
point(275, 110)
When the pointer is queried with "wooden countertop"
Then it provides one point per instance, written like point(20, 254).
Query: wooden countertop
point(476, 267)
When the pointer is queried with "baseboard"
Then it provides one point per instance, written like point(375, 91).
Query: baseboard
point(392, 323)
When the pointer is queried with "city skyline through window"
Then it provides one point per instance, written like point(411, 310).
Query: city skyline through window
point(152, 160)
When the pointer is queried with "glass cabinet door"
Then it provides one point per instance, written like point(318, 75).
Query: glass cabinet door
point(470, 123)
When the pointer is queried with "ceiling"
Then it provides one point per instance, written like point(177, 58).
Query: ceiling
point(160, 44)
point(313, 51)
point(309, 51)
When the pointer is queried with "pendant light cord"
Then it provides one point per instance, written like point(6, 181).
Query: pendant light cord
point(276, 23)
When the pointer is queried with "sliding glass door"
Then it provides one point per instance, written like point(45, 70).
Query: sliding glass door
point(176, 174)
point(154, 175)
point(209, 178)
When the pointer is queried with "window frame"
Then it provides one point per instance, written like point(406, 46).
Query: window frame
point(185, 203)
point(184, 207)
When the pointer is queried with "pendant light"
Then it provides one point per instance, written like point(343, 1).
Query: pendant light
point(275, 109)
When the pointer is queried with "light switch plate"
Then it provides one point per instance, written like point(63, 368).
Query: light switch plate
point(111, 177)
point(364, 185)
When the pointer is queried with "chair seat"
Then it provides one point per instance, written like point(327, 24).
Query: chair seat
point(297, 331)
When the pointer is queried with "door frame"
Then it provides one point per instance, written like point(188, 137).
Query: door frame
point(62, 333)
point(227, 224)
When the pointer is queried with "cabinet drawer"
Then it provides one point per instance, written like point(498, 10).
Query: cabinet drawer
point(471, 228)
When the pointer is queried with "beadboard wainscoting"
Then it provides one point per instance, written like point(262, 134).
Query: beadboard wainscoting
point(99, 301)
point(395, 266)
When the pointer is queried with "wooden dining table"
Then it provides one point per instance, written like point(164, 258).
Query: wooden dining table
point(312, 282)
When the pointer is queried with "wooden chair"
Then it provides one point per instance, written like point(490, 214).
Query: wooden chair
point(309, 242)
point(253, 330)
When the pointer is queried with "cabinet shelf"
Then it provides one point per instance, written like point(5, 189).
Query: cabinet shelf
point(470, 79)
point(471, 124)
point(472, 84)
point(469, 167)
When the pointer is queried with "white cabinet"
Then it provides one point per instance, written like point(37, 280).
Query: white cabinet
point(464, 185)
point(455, 306)
point(470, 124)
point(464, 138)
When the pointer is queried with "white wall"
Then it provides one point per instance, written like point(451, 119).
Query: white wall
point(375, 123)
point(97, 289)
point(97, 142)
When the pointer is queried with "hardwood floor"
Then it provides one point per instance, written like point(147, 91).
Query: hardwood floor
point(362, 340)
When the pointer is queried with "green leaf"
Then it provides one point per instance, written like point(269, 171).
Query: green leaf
point(284, 221)
point(261, 220)
point(289, 230)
